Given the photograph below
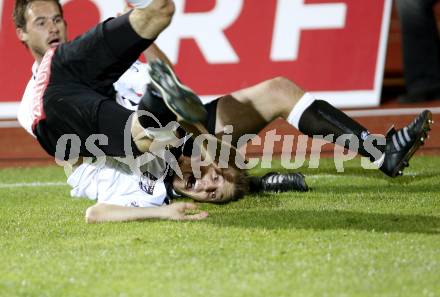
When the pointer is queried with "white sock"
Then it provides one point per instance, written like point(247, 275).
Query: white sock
point(139, 3)
point(303, 103)
point(379, 161)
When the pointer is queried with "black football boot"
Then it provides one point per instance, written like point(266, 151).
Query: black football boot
point(181, 100)
point(279, 182)
point(402, 144)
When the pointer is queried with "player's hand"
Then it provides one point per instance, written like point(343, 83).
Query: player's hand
point(178, 212)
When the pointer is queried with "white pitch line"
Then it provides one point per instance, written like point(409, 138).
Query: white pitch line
point(34, 184)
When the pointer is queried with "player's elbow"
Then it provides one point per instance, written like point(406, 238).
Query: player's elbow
point(93, 214)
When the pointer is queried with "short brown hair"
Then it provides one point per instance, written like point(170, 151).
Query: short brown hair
point(241, 181)
point(19, 14)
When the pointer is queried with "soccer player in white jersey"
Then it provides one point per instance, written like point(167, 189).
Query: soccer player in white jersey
point(74, 88)
point(40, 25)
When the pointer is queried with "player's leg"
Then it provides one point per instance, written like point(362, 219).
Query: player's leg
point(146, 23)
point(152, 19)
point(100, 56)
point(147, 20)
point(86, 68)
point(390, 153)
point(187, 107)
point(251, 109)
point(169, 101)
point(166, 102)
point(127, 36)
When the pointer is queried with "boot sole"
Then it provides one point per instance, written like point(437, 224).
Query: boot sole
point(164, 79)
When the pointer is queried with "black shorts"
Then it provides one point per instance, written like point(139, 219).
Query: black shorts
point(77, 80)
point(76, 77)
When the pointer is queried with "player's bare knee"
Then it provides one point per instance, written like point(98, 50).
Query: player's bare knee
point(282, 83)
point(285, 91)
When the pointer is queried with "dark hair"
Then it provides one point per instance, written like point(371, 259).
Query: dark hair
point(20, 7)
point(241, 181)
point(241, 184)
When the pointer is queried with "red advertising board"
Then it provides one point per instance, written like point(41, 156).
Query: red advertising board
point(333, 48)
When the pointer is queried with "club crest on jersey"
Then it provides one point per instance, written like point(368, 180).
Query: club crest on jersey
point(147, 183)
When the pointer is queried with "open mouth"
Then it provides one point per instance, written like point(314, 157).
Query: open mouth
point(54, 42)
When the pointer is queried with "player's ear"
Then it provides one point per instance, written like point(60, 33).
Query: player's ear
point(22, 35)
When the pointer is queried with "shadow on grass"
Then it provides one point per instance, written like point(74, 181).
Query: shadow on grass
point(357, 171)
point(361, 173)
point(380, 190)
point(329, 220)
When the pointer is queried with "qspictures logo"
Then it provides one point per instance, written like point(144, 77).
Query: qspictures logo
point(207, 149)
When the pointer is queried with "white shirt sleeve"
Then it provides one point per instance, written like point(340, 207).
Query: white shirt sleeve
point(131, 85)
point(24, 114)
point(104, 183)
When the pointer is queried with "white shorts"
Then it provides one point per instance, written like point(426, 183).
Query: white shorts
point(110, 183)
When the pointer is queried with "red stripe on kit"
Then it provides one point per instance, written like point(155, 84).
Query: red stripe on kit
point(42, 81)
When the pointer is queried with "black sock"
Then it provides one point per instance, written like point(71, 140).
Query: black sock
point(122, 40)
point(152, 102)
point(321, 118)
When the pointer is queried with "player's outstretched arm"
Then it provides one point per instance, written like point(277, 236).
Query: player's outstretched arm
point(104, 212)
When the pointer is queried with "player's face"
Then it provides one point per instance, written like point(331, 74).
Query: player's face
point(211, 187)
point(45, 27)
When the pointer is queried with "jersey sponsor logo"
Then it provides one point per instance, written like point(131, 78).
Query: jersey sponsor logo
point(43, 76)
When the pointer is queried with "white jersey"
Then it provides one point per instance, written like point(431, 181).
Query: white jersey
point(111, 182)
point(114, 183)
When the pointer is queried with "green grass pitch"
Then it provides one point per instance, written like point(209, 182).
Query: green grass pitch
point(356, 233)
